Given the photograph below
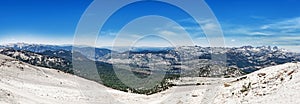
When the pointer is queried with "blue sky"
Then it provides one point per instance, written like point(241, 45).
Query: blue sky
point(49, 20)
point(244, 22)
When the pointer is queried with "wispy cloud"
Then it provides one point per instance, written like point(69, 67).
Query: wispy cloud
point(284, 33)
point(243, 31)
point(279, 28)
point(207, 26)
point(166, 32)
point(288, 26)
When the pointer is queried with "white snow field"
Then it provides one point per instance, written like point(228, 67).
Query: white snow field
point(21, 83)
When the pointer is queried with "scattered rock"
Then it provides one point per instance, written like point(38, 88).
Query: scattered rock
point(290, 73)
point(226, 85)
point(194, 95)
point(261, 74)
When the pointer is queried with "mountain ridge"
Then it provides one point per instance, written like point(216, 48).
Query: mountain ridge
point(247, 58)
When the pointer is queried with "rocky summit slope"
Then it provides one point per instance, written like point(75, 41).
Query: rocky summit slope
point(272, 85)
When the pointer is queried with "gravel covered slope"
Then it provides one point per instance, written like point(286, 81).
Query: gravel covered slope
point(272, 85)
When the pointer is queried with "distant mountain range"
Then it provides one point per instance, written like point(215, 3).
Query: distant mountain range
point(246, 58)
point(190, 60)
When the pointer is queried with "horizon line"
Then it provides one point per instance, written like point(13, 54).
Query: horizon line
point(3, 44)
